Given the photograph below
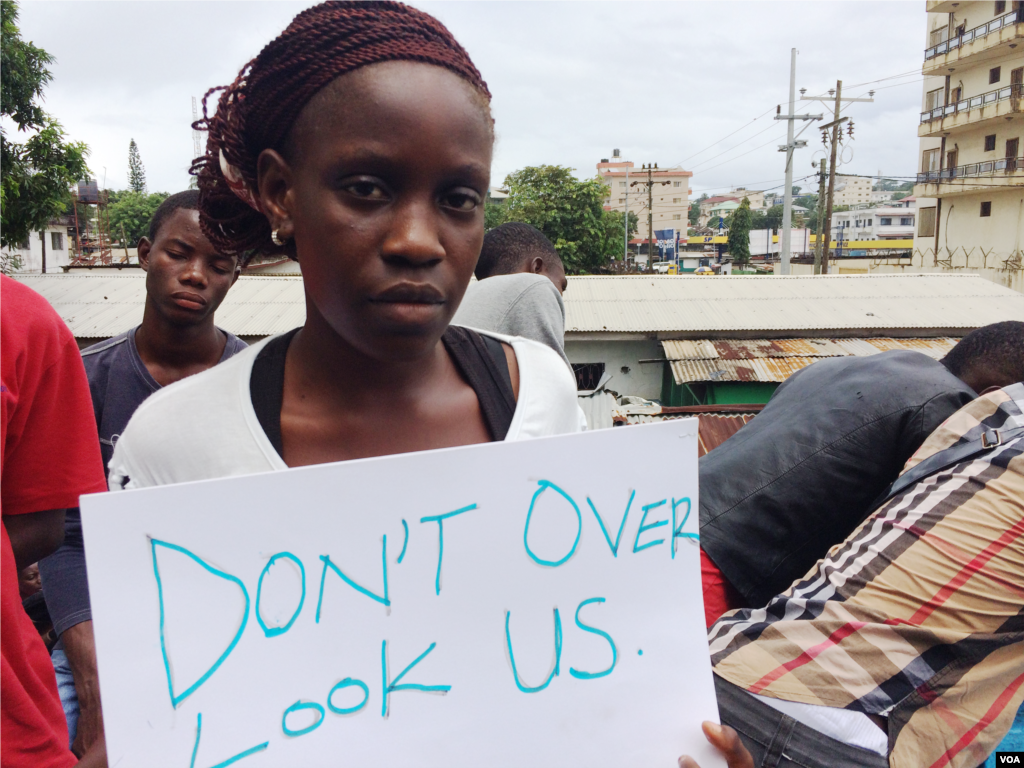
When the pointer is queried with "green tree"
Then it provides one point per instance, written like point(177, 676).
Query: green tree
point(693, 216)
point(494, 212)
point(132, 211)
point(569, 211)
point(614, 234)
point(739, 233)
point(136, 171)
point(35, 176)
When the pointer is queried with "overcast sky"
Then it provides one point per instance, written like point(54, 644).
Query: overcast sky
point(665, 82)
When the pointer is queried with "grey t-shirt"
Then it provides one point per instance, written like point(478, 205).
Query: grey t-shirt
point(118, 382)
point(523, 304)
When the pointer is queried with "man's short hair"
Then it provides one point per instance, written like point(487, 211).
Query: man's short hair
point(999, 346)
point(506, 249)
point(187, 200)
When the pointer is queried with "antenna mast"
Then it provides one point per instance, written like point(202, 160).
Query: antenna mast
point(196, 141)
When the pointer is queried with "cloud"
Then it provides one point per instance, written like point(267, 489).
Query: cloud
point(571, 81)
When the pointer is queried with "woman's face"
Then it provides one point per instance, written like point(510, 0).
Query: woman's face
point(382, 188)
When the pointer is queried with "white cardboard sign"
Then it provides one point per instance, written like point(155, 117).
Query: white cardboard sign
point(512, 604)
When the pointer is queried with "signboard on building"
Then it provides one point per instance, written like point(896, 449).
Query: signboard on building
point(506, 604)
point(666, 240)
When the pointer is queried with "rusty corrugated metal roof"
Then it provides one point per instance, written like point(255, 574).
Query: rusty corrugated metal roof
point(714, 430)
point(774, 360)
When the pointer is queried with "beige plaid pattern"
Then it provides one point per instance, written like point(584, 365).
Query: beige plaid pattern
point(918, 615)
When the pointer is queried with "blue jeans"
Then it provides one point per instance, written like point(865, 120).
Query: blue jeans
point(66, 689)
point(778, 741)
point(1012, 742)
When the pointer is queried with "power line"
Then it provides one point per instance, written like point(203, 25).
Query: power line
point(737, 157)
point(719, 141)
point(768, 111)
point(890, 77)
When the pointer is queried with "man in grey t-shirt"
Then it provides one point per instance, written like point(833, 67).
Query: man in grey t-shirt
point(186, 280)
point(518, 292)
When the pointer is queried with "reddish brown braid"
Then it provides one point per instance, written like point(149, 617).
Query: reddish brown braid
point(258, 109)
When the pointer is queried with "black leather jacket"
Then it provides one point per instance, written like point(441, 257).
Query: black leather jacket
point(798, 478)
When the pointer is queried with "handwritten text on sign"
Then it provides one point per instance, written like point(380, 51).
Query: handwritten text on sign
point(524, 603)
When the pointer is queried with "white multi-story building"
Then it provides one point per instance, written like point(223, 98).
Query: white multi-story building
point(884, 222)
point(970, 184)
point(671, 197)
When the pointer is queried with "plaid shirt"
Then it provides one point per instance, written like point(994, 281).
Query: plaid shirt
point(918, 615)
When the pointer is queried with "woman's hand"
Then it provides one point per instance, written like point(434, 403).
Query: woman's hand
point(726, 741)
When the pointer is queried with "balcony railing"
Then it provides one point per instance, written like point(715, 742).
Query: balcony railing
point(973, 34)
point(987, 168)
point(1014, 91)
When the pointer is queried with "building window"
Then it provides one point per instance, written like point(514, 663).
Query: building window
point(930, 160)
point(885, 221)
point(622, 201)
point(933, 99)
point(906, 221)
point(26, 244)
point(993, 75)
point(926, 222)
point(677, 216)
point(986, 208)
point(588, 375)
point(1000, 7)
point(57, 241)
point(677, 199)
point(677, 183)
point(990, 143)
point(622, 184)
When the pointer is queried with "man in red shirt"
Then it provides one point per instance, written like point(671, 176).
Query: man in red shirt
point(49, 455)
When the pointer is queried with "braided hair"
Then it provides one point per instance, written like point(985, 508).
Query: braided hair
point(258, 109)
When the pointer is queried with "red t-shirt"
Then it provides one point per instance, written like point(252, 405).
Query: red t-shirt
point(720, 596)
point(49, 455)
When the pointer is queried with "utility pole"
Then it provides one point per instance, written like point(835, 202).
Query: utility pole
point(826, 230)
point(650, 218)
point(822, 170)
point(791, 144)
point(832, 175)
point(625, 225)
point(650, 168)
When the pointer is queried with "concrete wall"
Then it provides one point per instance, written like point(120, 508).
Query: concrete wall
point(32, 258)
point(641, 380)
point(924, 263)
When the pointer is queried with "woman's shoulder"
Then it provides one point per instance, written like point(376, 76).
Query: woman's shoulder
point(547, 391)
point(194, 429)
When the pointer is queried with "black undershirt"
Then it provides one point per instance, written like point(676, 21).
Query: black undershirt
point(480, 359)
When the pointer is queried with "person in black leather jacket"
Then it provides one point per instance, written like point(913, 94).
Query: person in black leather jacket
point(803, 474)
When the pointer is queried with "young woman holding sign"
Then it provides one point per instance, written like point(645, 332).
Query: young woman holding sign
point(359, 144)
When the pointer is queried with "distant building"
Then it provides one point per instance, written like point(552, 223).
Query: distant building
point(970, 184)
point(721, 210)
point(56, 241)
point(757, 199)
point(671, 198)
point(882, 196)
point(852, 190)
point(884, 222)
point(710, 203)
